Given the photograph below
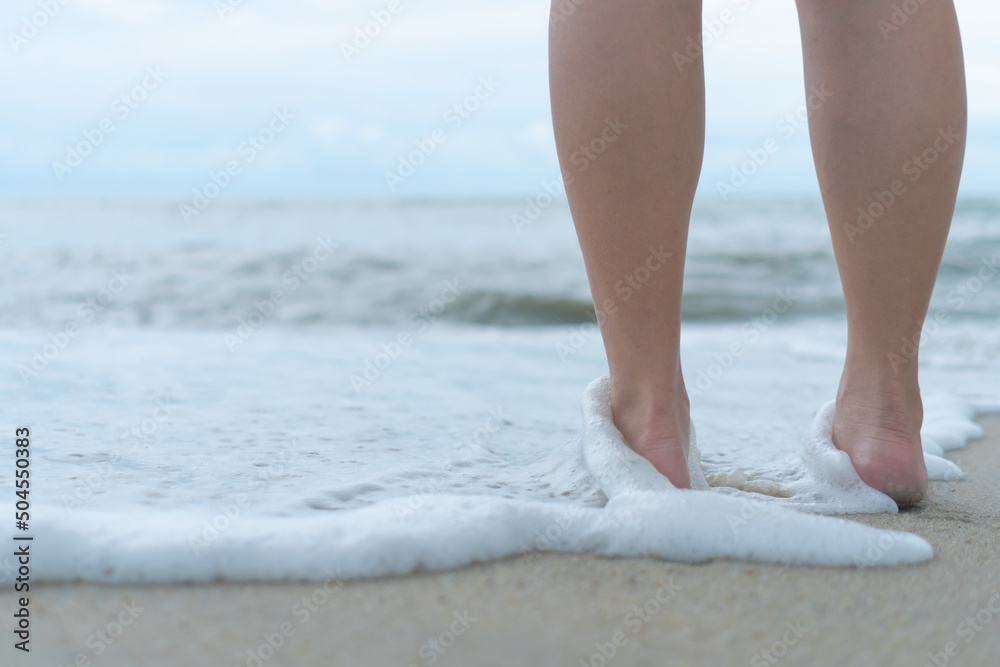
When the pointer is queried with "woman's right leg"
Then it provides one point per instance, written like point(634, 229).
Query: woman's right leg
point(628, 106)
point(888, 146)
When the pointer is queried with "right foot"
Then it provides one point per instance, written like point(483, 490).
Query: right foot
point(880, 431)
point(657, 426)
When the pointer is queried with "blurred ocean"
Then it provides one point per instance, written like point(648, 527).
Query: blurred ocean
point(293, 359)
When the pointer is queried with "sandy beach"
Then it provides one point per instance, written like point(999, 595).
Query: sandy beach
point(549, 609)
point(336, 289)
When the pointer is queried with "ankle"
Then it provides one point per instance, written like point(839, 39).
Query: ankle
point(651, 395)
point(878, 423)
point(654, 421)
point(883, 367)
point(651, 410)
point(896, 399)
point(868, 376)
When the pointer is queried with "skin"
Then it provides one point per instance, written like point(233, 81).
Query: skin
point(891, 100)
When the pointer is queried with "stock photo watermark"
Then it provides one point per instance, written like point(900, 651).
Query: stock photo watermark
point(248, 151)
point(750, 332)
point(121, 109)
point(772, 655)
point(229, 513)
point(898, 17)
point(87, 485)
point(393, 349)
point(32, 25)
point(224, 8)
point(455, 117)
point(915, 167)
point(634, 621)
point(958, 297)
point(588, 153)
point(581, 158)
point(533, 206)
point(213, 528)
point(264, 309)
point(560, 11)
point(748, 512)
point(968, 630)
point(99, 641)
point(472, 444)
point(90, 483)
point(302, 611)
point(711, 30)
point(438, 645)
point(629, 284)
point(163, 413)
point(786, 126)
point(365, 34)
point(551, 535)
point(86, 311)
point(877, 550)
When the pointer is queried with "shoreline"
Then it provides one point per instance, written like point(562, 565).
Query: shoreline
point(573, 609)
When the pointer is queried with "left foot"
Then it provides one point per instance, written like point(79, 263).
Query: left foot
point(657, 426)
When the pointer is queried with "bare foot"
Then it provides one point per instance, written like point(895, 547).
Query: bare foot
point(880, 431)
point(656, 424)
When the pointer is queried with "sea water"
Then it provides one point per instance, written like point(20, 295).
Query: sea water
point(296, 390)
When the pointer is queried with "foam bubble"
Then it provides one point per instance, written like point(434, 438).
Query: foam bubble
point(941, 469)
point(645, 515)
point(450, 530)
point(699, 524)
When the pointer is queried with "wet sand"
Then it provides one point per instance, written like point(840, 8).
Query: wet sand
point(552, 609)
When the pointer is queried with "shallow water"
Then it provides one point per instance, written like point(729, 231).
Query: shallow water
point(192, 391)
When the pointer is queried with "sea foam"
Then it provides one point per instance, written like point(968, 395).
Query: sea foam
point(644, 515)
point(468, 447)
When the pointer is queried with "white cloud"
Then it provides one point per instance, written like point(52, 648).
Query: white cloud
point(328, 129)
point(372, 133)
point(227, 75)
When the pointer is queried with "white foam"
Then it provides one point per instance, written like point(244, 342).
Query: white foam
point(930, 445)
point(940, 469)
point(469, 421)
point(326, 478)
point(948, 423)
point(700, 524)
point(645, 515)
point(831, 484)
point(450, 530)
point(618, 469)
point(832, 467)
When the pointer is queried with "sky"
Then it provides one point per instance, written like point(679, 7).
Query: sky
point(248, 98)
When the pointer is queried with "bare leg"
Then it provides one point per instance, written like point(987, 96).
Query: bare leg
point(893, 99)
point(632, 203)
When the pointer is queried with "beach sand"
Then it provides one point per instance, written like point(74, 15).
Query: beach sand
point(552, 609)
